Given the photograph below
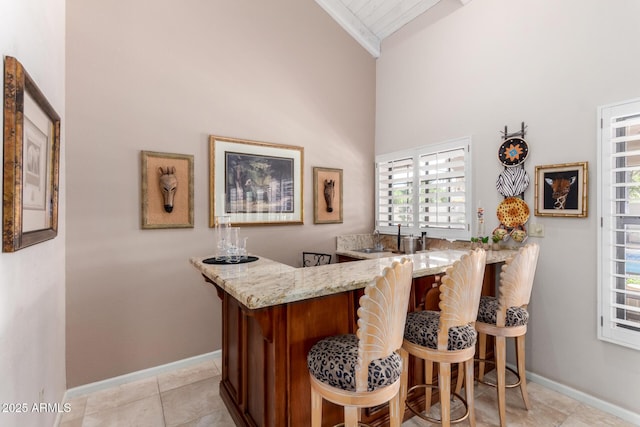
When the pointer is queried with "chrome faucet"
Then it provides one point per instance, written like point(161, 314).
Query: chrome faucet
point(376, 239)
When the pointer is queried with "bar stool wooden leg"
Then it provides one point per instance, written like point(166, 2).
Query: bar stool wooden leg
point(521, 370)
point(444, 386)
point(395, 412)
point(404, 379)
point(428, 379)
point(461, 377)
point(316, 408)
point(468, 388)
point(501, 357)
point(482, 350)
point(351, 416)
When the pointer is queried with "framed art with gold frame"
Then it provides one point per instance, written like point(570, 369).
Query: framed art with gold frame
point(31, 165)
point(327, 195)
point(166, 190)
point(561, 190)
point(255, 183)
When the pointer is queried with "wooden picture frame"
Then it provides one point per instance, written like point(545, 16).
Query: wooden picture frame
point(327, 195)
point(255, 183)
point(31, 167)
point(561, 190)
point(166, 190)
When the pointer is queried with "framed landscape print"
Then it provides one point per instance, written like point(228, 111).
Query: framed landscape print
point(31, 162)
point(255, 183)
point(561, 190)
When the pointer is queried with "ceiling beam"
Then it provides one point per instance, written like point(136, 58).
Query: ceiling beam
point(401, 13)
point(352, 25)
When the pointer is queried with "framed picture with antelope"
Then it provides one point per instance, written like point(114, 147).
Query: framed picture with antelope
point(166, 190)
point(255, 183)
point(561, 190)
point(327, 196)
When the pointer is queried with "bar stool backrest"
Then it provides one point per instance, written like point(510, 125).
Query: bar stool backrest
point(460, 294)
point(312, 259)
point(516, 281)
point(381, 317)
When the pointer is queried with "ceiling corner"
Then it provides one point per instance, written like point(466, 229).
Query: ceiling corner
point(371, 21)
point(352, 25)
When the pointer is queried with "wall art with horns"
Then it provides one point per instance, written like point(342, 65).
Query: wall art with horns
point(327, 195)
point(166, 190)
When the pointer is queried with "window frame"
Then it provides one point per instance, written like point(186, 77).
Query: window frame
point(611, 266)
point(415, 155)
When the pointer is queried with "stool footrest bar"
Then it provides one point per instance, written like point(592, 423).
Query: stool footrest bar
point(436, 420)
point(492, 362)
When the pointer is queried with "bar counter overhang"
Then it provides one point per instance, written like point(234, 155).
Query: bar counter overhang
point(273, 313)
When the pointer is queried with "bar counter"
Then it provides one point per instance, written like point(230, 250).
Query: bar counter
point(267, 283)
point(273, 313)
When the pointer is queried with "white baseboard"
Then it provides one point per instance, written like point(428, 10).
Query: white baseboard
point(138, 375)
point(587, 399)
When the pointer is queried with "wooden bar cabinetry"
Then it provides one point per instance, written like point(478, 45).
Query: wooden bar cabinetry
point(265, 381)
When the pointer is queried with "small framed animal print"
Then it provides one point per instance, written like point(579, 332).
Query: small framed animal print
point(561, 190)
point(167, 190)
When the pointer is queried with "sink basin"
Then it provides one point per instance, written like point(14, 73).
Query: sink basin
point(371, 250)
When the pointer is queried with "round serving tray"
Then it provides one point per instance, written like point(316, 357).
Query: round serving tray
point(224, 261)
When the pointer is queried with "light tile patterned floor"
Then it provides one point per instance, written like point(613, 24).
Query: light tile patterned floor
point(189, 398)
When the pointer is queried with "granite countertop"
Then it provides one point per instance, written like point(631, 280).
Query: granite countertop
point(370, 255)
point(265, 283)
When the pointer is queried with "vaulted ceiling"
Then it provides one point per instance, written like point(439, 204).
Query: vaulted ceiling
point(370, 21)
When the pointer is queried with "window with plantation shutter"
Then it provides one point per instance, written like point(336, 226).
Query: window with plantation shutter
point(426, 189)
point(619, 231)
point(395, 192)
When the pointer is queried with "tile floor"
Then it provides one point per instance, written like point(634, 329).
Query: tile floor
point(189, 397)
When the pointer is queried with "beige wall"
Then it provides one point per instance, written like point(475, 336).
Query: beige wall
point(32, 280)
point(162, 76)
point(550, 64)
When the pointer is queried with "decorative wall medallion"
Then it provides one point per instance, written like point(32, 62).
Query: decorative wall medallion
point(512, 212)
point(512, 182)
point(513, 151)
